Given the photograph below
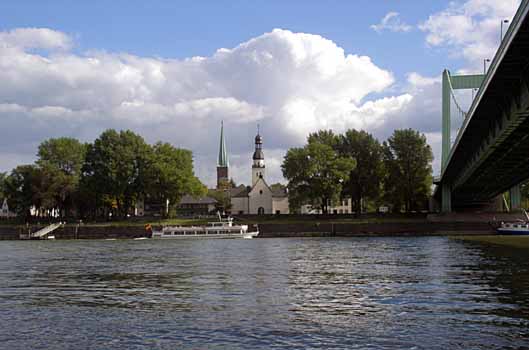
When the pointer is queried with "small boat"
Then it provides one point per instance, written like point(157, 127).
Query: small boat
point(224, 228)
point(519, 227)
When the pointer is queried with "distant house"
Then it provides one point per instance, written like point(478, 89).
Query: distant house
point(5, 213)
point(151, 207)
point(343, 206)
point(191, 206)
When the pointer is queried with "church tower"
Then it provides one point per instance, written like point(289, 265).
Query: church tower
point(258, 167)
point(222, 163)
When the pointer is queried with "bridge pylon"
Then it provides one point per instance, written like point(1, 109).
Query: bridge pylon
point(449, 84)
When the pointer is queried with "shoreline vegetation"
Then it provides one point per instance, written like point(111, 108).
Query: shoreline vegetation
point(119, 173)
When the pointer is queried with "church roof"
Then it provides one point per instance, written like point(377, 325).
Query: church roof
point(278, 191)
point(223, 153)
point(240, 191)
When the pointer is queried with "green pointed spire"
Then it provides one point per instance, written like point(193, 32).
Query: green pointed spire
point(223, 154)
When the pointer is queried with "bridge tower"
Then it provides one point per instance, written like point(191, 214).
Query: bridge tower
point(449, 84)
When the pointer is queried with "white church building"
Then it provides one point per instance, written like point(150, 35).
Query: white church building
point(260, 197)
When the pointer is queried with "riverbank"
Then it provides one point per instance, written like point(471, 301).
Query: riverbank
point(272, 230)
point(272, 226)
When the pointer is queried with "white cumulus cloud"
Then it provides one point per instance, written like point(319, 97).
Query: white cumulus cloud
point(290, 83)
point(469, 29)
point(392, 22)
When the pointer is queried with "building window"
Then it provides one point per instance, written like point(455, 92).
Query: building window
point(278, 212)
point(241, 212)
point(260, 191)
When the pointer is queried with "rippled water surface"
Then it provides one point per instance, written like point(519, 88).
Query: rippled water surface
point(367, 293)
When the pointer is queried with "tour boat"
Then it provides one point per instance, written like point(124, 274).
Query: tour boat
point(224, 228)
point(519, 227)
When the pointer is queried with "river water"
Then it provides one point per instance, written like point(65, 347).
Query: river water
point(328, 293)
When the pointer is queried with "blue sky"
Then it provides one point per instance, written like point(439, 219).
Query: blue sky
point(180, 29)
point(75, 68)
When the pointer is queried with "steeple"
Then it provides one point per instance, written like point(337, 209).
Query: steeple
point(223, 154)
point(222, 162)
point(258, 166)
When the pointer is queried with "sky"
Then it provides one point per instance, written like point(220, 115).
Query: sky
point(173, 70)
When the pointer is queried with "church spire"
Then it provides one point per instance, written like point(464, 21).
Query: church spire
point(258, 167)
point(222, 163)
point(223, 154)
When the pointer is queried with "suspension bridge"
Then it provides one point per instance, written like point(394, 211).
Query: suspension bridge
point(490, 152)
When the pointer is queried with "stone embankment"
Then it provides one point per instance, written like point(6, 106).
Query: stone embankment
point(308, 226)
point(78, 232)
point(374, 229)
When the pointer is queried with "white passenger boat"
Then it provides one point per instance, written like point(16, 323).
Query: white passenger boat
point(224, 228)
point(519, 227)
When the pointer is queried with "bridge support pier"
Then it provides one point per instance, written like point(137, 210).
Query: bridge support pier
point(446, 198)
point(515, 196)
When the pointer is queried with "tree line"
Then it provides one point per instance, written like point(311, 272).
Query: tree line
point(396, 172)
point(108, 176)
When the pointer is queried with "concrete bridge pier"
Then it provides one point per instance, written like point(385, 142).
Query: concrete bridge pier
point(515, 198)
point(446, 198)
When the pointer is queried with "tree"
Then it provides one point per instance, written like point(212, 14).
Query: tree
point(19, 189)
point(116, 168)
point(326, 137)
point(171, 175)
point(365, 179)
point(315, 174)
point(3, 177)
point(63, 158)
point(407, 159)
point(223, 199)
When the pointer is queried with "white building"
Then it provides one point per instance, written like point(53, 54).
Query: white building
point(5, 213)
point(260, 198)
point(341, 207)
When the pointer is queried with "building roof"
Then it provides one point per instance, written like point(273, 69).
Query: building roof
point(240, 191)
point(279, 191)
point(187, 199)
point(243, 191)
point(223, 153)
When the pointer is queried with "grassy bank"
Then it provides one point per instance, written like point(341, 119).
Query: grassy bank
point(247, 219)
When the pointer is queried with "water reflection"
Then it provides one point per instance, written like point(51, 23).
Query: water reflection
point(308, 293)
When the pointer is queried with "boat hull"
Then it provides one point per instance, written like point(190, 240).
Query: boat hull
point(513, 232)
point(246, 235)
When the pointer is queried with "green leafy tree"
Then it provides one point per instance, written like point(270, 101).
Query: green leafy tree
point(223, 199)
point(116, 169)
point(62, 158)
point(3, 177)
point(366, 178)
point(315, 174)
point(171, 174)
point(326, 137)
point(19, 189)
point(407, 159)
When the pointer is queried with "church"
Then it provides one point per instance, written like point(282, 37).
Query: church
point(260, 197)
